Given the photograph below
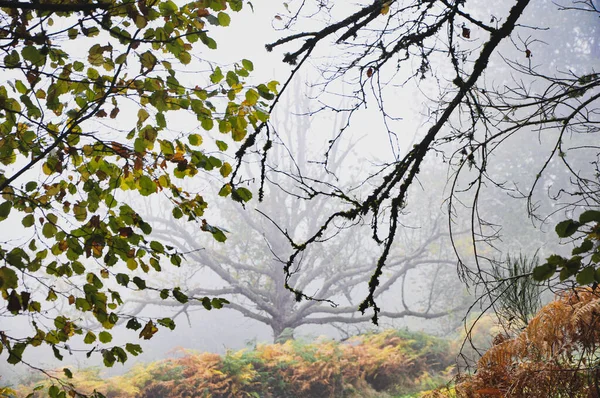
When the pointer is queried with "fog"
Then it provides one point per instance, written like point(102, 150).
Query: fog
point(420, 288)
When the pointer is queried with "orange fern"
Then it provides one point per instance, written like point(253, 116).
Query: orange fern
point(556, 355)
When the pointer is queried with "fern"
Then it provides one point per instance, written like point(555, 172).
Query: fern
point(556, 355)
point(367, 365)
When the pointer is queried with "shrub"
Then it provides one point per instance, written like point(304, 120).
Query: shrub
point(556, 355)
point(370, 365)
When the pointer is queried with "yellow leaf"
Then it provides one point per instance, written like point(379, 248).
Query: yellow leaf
point(385, 8)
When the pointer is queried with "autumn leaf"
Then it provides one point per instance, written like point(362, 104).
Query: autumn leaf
point(466, 32)
point(385, 8)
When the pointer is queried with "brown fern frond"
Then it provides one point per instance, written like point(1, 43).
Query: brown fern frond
point(555, 355)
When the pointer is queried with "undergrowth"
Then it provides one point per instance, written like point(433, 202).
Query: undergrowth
point(388, 364)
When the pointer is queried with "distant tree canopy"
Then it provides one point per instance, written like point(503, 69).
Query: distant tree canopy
point(88, 95)
point(511, 94)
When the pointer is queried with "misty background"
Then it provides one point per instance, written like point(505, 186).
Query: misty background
point(421, 281)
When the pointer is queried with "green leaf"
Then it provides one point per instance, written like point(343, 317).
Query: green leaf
point(217, 75)
point(133, 349)
point(52, 218)
point(225, 170)
point(147, 186)
point(586, 276)
point(30, 186)
point(82, 304)
point(53, 391)
point(139, 282)
point(208, 41)
point(566, 228)
point(195, 139)
point(51, 295)
point(8, 279)
point(272, 85)
point(12, 60)
point(166, 322)
point(556, 260)
point(140, 21)
point(236, 5)
point(94, 280)
point(120, 354)
point(252, 97)
point(143, 115)
point(109, 358)
point(225, 190)
point(166, 147)
point(585, 246)
point(148, 60)
point(589, 216)
point(224, 19)
point(224, 127)
point(21, 88)
point(566, 273)
point(241, 195)
point(68, 373)
point(167, 8)
point(157, 246)
point(179, 296)
point(104, 337)
point(220, 144)
point(28, 220)
point(5, 208)
point(78, 267)
point(218, 235)
point(91, 32)
point(206, 303)
point(15, 354)
point(543, 272)
point(177, 213)
point(574, 263)
point(122, 279)
point(232, 80)
point(264, 92)
point(33, 55)
point(80, 211)
point(176, 260)
point(262, 116)
point(49, 230)
point(217, 303)
point(89, 338)
point(248, 65)
point(133, 324)
point(207, 123)
point(185, 57)
point(146, 228)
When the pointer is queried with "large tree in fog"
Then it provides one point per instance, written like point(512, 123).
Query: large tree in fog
point(247, 270)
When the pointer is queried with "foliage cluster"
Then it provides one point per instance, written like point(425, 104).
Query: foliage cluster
point(556, 355)
point(584, 257)
point(390, 362)
point(81, 125)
